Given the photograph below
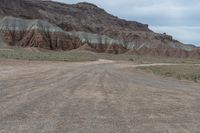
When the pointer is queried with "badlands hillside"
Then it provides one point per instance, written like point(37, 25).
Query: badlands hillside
point(58, 26)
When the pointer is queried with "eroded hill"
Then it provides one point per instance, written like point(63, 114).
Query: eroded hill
point(58, 26)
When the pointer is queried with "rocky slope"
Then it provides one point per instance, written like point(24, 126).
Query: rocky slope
point(59, 26)
point(39, 33)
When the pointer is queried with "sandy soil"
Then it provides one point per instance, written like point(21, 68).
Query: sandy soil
point(93, 97)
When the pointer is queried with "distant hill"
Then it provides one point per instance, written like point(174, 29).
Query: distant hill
point(58, 26)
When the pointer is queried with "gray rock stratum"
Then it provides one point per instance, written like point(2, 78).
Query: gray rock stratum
point(59, 26)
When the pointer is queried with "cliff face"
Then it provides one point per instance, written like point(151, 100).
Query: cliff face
point(81, 16)
point(34, 33)
point(42, 34)
point(54, 25)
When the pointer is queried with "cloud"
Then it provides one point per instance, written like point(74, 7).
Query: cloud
point(186, 34)
point(179, 18)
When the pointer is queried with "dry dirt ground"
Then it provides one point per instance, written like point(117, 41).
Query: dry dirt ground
point(94, 97)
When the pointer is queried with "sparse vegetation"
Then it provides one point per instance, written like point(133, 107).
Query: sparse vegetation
point(188, 72)
point(75, 55)
point(147, 59)
point(47, 55)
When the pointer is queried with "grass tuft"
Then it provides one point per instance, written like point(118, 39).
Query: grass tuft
point(187, 72)
point(76, 55)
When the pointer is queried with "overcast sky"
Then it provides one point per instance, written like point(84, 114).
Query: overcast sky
point(179, 18)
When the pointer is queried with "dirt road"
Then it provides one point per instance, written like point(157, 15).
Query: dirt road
point(93, 97)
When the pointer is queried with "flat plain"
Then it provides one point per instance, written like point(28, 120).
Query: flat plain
point(94, 97)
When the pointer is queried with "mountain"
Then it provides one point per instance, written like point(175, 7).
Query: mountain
point(59, 26)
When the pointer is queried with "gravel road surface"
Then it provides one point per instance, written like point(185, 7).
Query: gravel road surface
point(94, 97)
